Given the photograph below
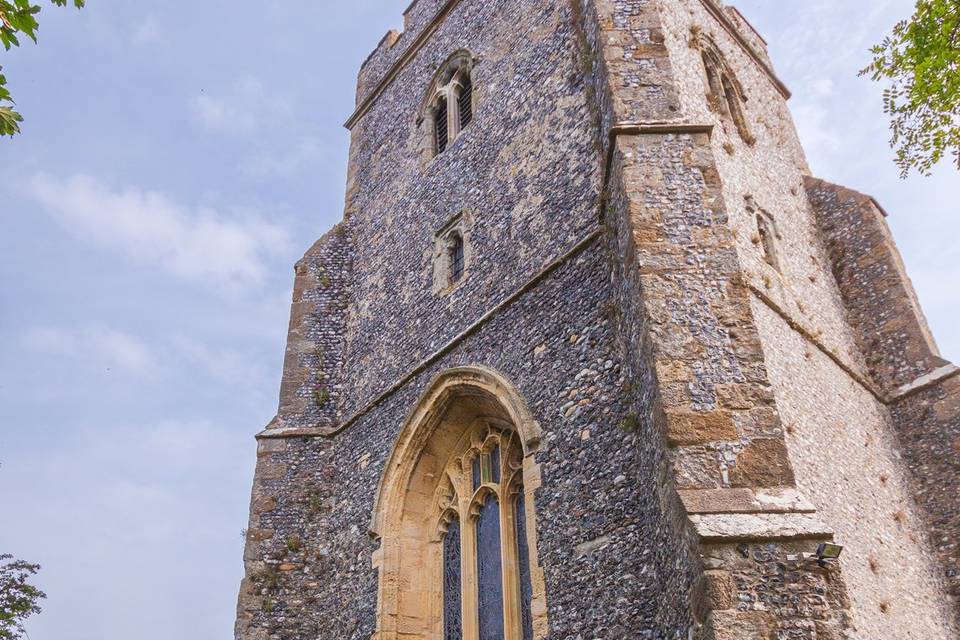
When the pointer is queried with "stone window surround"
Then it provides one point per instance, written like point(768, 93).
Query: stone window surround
point(768, 234)
point(460, 225)
point(407, 508)
point(447, 84)
point(725, 94)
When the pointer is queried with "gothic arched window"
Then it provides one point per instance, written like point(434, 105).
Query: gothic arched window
point(452, 253)
point(448, 108)
point(455, 517)
point(724, 94)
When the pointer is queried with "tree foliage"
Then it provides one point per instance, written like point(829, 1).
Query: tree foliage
point(18, 17)
point(920, 61)
point(18, 598)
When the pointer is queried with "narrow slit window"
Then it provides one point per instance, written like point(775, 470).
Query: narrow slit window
point(441, 125)
point(465, 103)
point(456, 258)
point(768, 241)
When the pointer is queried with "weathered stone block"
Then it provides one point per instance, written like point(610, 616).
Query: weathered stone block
point(692, 428)
point(763, 463)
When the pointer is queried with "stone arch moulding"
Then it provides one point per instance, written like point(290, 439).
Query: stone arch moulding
point(445, 87)
point(461, 412)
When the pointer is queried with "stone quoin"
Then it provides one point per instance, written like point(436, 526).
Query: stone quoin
point(593, 356)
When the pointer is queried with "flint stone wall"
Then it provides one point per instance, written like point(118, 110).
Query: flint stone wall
point(604, 536)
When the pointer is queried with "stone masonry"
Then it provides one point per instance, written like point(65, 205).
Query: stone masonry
point(722, 356)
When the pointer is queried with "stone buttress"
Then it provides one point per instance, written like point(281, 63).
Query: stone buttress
point(677, 306)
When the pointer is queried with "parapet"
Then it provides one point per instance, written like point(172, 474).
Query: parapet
point(417, 18)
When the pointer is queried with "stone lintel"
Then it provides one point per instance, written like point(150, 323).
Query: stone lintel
point(720, 501)
point(759, 527)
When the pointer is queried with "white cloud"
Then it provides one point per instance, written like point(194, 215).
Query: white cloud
point(201, 245)
point(100, 346)
point(242, 109)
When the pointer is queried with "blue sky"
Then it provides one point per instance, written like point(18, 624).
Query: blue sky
point(177, 158)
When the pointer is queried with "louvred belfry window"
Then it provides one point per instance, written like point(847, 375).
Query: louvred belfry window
point(465, 103)
point(448, 107)
point(724, 94)
point(442, 127)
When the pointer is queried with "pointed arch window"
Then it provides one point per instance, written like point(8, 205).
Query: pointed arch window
point(724, 94)
point(455, 515)
point(449, 105)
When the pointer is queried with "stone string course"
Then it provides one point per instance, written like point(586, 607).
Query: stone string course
point(707, 419)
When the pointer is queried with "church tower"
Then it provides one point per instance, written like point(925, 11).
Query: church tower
point(592, 356)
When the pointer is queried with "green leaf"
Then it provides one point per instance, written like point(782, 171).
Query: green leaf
point(920, 62)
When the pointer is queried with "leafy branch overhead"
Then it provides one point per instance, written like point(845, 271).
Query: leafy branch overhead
point(920, 61)
point(18, 17)
point(18, 598)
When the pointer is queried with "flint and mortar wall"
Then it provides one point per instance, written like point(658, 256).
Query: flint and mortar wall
point(801, 304)
point(847, 460)
point(604, 537)
point(903, 360)
point(312, 386)
point(528, 168)
point(928, 423)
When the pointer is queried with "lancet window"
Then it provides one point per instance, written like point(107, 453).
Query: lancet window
point(724, 94)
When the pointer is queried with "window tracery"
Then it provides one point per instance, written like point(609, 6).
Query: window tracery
point(449, 106)
point(725, 95)
point(483, 488)
point(457, 491)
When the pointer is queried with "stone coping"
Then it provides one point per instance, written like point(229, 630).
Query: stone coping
point(760, 527)
point(730, 501)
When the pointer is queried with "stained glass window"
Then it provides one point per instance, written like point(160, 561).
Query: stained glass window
point(452, 584)
point(489, 573)
point(523, 559)
point(495, 463)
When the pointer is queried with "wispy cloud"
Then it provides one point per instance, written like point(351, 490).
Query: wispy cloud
point(240, 109)
point(200, 245)
point(101, 346)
